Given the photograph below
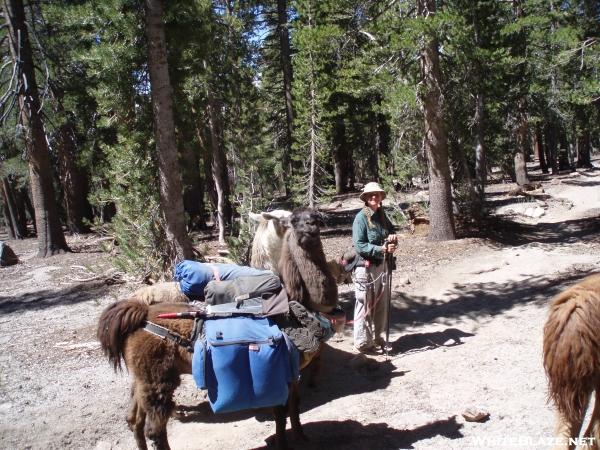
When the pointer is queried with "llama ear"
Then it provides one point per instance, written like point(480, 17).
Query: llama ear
point(278, 214)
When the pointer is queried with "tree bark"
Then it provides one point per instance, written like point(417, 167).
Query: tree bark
point(218, 168)
point(436, 141)
point(480, 163)
point(339, 162)
point(584, 144)
point(73, 180)
point(538, 145)
point(520, 157)
point(520, 169)
point(171, 194)
point(551, 147)
point(8, 221)
point(286, 68)
point(583, 139)
point(193, 198)
point(51, 239)
point(15, 213)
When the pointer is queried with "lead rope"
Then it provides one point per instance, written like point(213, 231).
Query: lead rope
point(369, 306)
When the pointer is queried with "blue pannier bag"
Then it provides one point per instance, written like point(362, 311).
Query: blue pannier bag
point(244, 363)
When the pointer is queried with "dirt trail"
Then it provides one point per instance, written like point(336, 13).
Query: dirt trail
point(466, 333)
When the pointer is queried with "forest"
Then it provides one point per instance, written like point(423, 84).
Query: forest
point(147, 120)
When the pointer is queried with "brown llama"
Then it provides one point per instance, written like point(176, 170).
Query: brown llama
point(303, 266)
point(572, 360)
point(156, 364)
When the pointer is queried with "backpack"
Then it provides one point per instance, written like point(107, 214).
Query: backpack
point(242, 288)
point(244, 362)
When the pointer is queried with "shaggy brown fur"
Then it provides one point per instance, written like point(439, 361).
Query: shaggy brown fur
point(303, 267)
point(572, 356)
point(156, 366)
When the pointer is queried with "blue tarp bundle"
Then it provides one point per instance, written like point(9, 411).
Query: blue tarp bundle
point(193, 275)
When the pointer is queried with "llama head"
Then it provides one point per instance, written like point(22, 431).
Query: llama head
point(307, 225)
point(277, 221)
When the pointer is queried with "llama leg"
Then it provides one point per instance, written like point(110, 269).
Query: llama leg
point(294, 407)
point(136, 418)
point(314, 370)
point(593, 430)
point(566, 430)
point(280, 422)
point(157, 400)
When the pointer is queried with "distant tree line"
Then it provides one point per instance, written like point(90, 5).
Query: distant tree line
point(149, 119)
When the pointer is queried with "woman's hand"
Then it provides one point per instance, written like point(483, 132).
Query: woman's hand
point(393, 239)
point(389, 248)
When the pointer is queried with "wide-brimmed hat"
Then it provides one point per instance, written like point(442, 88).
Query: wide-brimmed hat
point(369, 189)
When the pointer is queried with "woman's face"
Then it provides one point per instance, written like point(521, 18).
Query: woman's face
point(373, 200)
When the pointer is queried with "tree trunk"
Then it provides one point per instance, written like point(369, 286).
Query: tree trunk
point(73, 180)
point(8, 223)
point(171, 195)
point(313, 150)
point(551, 147)
point(584, 149)
point(193, 194)
point(436, 141)
point(218, 168)
point(520, 157)
point(583, 140)
point(15, 213)
point(480, 163)
point(373, 145)
point(520, 169)
point(51, 239)
point(538, 145)
point(286, 68)
point(339, 162)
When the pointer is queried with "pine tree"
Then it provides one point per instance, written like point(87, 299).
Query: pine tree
point(51, 239)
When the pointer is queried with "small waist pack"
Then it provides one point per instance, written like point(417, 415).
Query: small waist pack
point(243, 362)
point(351, 259)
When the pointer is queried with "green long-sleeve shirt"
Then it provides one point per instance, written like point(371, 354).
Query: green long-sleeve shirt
point(368, 241)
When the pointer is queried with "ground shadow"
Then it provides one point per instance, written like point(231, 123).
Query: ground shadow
point(368, 375)
point(580, 182)
point(350, 434)
point(478, 301)
point(419, 342)
point(509, 233)
point(37, 300)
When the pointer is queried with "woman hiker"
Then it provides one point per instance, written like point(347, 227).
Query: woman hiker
point(370, 229)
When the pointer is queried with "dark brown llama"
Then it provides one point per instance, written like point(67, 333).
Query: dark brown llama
point(572, 359)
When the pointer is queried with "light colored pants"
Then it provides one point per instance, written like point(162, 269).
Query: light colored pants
point(371, 307)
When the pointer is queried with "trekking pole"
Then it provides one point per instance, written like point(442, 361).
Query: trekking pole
point(387, 260)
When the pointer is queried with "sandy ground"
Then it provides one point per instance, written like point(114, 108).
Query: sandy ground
point(466, 334)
